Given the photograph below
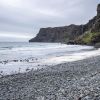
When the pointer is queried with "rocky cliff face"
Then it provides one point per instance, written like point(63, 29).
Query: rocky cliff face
point(92, 35)
point(71, 33)
point(96, 26)
point(58, 34)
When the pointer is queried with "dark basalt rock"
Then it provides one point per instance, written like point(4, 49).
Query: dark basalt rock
point(58, 34)
point(97, 45)
point(69, 34)
point(98, 10)
point(96, 26)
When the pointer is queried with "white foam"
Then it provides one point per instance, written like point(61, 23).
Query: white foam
point(41, 54)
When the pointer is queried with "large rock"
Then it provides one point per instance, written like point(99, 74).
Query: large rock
point(96, 26)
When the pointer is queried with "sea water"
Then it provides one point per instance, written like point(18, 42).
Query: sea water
point(16, 57)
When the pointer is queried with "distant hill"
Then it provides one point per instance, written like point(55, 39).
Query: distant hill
point(74, 34)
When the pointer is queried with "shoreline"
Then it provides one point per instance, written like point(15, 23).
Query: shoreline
point(24, 58)
point(67, 81)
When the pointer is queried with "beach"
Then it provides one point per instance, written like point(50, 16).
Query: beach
point(21, 57)
point(78, 80)
point(49, 50)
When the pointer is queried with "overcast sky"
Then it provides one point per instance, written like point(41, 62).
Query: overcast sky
point(20, 20)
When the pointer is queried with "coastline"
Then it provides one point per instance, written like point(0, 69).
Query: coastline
point(57, 62)
point(21, 57)
point(78, 80)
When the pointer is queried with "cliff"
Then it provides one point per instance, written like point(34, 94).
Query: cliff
point(58, 34)
point(78, 34)
point(92, 35)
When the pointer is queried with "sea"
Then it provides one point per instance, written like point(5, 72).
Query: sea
point(19, 57)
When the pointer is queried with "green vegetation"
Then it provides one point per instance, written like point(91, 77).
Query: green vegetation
point(90, 38)
point(87, 38)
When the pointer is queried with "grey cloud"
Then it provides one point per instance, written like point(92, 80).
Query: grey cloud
point(29, 15)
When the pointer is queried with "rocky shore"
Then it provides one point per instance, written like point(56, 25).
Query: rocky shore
point(79, 80)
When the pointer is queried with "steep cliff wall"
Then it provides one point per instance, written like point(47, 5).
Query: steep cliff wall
point(92, 35)
point(58, 34)
point(71, 33)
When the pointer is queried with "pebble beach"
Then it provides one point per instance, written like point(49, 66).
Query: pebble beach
point(78, 80)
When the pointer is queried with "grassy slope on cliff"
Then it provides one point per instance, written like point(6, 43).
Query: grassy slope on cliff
point(92, 36)
point(89, 38)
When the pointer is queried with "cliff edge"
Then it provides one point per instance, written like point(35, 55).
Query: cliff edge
point(76, 34)
point(58, 34)
point(92, 35)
